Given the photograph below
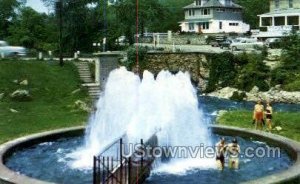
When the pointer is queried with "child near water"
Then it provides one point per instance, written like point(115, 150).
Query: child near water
point(233, 150)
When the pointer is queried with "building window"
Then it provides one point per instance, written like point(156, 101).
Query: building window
point(233, 24)
point(220, 25)
point(191, 27)
point(276, 4)
point(204, 25)
point(266, 21)
point(191, 12)
point(293, 20)
point(198, 2)
point(205, 12)
point(279, 21)
point(290, 3)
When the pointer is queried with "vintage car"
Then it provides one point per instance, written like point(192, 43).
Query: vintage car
point(246, 43)
point(6, 50)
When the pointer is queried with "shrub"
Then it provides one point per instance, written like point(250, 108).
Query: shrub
point(132, 56)
point(254, 73)
point(238, 96)
point(210, 39)
point(222, 71)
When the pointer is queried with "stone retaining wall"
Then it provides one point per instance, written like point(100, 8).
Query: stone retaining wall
point(196, 63)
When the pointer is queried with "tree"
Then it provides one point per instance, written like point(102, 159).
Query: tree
point(32, 30)
point(8, 12)
point(252, 8)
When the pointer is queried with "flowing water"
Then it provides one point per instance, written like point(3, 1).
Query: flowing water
point(167, 104)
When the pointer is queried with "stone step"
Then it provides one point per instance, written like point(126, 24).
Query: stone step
point(85, 75)
point(94, 91)
point(94, 88)
point(87, 80)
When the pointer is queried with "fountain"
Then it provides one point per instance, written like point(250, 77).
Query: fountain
point(140, 108)
point(166, 105)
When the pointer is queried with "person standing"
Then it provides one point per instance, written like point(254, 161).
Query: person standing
point(269, 115)
point(233, 151)
point(258, 115)
point(220, 149)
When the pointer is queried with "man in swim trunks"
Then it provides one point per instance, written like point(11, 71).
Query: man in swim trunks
point(233, 150)
point(220, 150)
point(258, 115)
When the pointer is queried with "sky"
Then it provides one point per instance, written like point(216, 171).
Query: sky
point(37, 5)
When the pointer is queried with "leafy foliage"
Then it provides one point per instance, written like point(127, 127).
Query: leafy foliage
point(287, 74)
point(133, 55)
point(32, 30)
point(222, 71)
point(242, 71)
point(252, 8)
point(253, 73)
point(7, 14)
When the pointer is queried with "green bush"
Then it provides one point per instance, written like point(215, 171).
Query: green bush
point(254, 73)
point(238, 96)
point(293, 86)
point(210, 39)
point(132, 57)
point(222, 71)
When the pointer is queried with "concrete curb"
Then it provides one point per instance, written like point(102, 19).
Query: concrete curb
point(8, 176)
point(292, 175)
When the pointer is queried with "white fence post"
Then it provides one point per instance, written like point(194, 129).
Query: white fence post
point(40, 57)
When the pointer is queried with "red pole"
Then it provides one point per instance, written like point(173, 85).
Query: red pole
point(137, 33)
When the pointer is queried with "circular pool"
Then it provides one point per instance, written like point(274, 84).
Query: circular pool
point(45, 157)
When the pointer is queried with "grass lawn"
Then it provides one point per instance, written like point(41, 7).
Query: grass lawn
point(52, 104)
point(288, 121)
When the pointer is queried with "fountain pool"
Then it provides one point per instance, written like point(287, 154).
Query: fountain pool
point(49, 161)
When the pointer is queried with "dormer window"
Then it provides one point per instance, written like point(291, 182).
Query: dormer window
point(198, 2)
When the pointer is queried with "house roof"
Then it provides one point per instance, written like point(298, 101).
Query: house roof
point(281, 12)
point(213, 3)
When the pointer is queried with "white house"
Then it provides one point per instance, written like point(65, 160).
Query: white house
point(213, 16)
point(283, 17)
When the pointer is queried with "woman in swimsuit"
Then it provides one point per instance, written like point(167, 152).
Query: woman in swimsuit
point(269, 113)
point(220, 149)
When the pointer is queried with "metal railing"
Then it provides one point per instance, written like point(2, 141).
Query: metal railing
point(111, 167)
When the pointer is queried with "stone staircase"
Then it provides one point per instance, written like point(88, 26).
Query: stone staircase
point(86, 77)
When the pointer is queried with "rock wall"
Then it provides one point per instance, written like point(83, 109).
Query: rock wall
point(196, 63)
point(178, 39)
point(275, 94)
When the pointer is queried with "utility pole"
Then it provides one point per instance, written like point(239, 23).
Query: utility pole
point(105, 24)
point(59, 6)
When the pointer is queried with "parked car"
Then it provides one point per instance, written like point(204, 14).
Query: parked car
point(7, 50)
point(246, 43)
point(273, 43)
point(227, 43)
